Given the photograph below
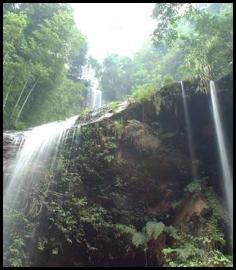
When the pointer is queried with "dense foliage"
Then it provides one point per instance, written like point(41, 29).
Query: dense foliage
point(43, 56)
point(204, 35)
point(83, 211)
point(148, 68)
point(44, 53)
point(190, 40)
point(113, 193)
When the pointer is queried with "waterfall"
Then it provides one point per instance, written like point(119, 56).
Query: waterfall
point(189, 131)
point(94, 96)
point(38, 150)
point(95, 99)
point(225, 167)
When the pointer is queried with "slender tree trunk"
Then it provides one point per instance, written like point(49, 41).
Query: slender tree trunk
point(18, 100)
point(5, 57)
point(6, 97)
point(5, 100)
point(23, 105)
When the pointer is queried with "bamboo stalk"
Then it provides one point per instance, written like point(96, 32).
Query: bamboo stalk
point(18, 100)
point(5, 99)
point(23, 105)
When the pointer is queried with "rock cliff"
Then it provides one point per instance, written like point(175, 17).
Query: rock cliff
point(129, 165)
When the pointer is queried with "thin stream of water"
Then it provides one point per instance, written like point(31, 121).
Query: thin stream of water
point(225, 165)
point(189, 131)
point(95, 98)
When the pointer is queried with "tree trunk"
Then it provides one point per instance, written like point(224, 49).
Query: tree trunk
point(5, 57)
point(23, 105)
point(18, 100)
point(5, 99)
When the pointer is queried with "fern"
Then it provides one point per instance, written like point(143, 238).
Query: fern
point(154, 229)
point(172, 231)
point(125, 229)
point(139, 239)
point(187, 251)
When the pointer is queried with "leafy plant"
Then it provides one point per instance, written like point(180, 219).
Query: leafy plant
point(151, 231)
point(85, 113)
point(16, 251)
point(197, 250)
point(112, 106)
point(168, 79)
point(143, 93)
point(42, 242)
point(154, 229)
point(118, 127)
point(139, 239)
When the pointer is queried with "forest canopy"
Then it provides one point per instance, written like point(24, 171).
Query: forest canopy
point(44, 55)
point(118, 135)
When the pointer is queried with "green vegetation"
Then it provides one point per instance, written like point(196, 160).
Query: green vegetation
point(168, 79)
point(112, 106)
point(197, 251)
point(43, 56)
point(200, 245)
point(201, 187)
point(66, 215)
point(191, 41)
point(85, 113)
point(44, 53)
point(200, 34)
point(143, 93)
point(91, 205)
point(118, 126)
point(151, 231)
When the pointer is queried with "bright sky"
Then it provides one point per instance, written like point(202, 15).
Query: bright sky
point(119, 28)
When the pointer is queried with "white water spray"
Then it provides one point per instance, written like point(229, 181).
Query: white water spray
point(39, 149)
point(226, 170)
point(189, 131)
point(95, 99)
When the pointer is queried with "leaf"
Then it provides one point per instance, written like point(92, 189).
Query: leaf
point(55, 251)
point(154, 229)
point(69, 240)
point(139, 239)
point(168, 250)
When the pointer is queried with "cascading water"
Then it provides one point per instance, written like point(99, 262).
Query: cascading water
point(95, 99)
point(38, 151)
point(189, 131)
point(225, 166)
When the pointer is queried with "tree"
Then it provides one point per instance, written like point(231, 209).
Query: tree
point(207, 50)
point(43, 51)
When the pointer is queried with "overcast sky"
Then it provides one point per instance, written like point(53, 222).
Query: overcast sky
point(114, 27)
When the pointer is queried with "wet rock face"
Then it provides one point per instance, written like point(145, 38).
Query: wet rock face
point(190, 206)
point(150, 165)
point(11, 144)
point(153, 155)
point(134, 162)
